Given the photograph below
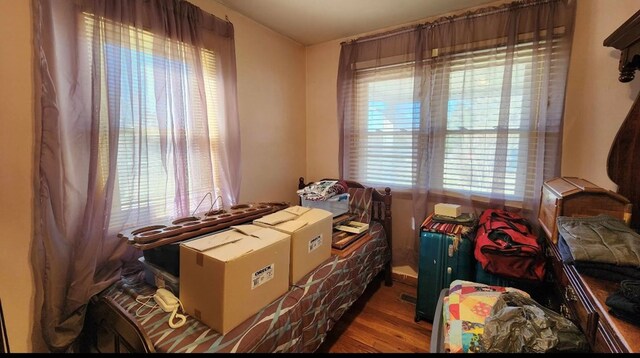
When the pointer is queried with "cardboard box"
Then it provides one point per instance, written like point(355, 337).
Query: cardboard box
point(450, 210)
point(311, 231)
point(229, 276)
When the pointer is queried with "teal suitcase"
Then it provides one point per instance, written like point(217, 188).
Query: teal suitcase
point(440, 264)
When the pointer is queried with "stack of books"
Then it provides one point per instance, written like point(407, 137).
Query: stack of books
point(346, 231)
point(353, 227)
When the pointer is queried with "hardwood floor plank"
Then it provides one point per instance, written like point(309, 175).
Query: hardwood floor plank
point(408, 332)
point(383, 340)
point(380, 321)
point(350, 345)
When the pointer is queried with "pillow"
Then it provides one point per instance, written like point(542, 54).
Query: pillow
point(360, 203)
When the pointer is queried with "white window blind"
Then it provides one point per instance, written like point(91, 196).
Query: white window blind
point(381, 144)
point(491, 119)
point(485, 114)
point(147, 178)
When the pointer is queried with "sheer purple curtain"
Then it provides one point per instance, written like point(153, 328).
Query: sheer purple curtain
point(136, 123)
point(465, 109)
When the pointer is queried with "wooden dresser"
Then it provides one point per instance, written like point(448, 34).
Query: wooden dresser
point(582, 297)
point(582, 301)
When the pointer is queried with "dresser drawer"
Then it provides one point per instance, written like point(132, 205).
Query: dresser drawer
point(578, 302)
point(555, 265)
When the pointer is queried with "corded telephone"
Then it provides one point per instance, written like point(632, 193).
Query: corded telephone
point(168, 302)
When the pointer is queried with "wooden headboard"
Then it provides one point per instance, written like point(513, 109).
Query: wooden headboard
point(380, 212)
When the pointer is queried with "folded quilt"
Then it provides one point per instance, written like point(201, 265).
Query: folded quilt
point(465, 310)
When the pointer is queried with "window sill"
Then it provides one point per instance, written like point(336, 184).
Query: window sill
point(455, 198)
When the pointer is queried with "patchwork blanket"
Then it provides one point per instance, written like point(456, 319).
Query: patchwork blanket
point(464, 312)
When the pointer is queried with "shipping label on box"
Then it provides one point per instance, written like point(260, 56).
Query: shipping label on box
point(315, 243)
point(263, 275)
point(310, 231)
point(229, 276)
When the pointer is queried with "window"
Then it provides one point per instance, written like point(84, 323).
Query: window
point(485, 142)
point(382, 137)
point(476, 159)
point(168, 138)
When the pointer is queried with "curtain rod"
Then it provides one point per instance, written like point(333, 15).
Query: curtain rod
point(490, 10)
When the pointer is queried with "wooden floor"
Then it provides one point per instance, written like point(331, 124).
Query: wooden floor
point(381, 321)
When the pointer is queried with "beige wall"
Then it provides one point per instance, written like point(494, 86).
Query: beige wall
point(271, 102)
point(322, 123)
point(271, 99)
point(597, 103)
point(16, 153)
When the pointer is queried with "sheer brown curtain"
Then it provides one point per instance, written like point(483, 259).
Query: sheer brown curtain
point(465, 109)
point(136, 123)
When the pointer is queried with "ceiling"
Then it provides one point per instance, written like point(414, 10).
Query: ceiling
point(310, 22)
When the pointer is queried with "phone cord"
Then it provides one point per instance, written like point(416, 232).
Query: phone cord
point(181, 319)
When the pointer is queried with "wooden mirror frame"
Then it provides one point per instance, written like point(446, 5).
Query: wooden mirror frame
point(623, 162)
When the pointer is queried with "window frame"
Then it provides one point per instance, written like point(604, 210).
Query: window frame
point(121, 210)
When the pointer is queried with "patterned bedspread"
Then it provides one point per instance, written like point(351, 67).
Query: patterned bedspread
point(464, 312)
point(296, 322)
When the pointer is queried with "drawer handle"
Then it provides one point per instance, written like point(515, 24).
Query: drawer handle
point(570, 294)
point(564, 311)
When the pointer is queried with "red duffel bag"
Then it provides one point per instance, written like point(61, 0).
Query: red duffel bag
point(506, 246)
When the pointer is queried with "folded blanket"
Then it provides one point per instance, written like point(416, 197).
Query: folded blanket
point(601, 239)
point(451, 229)
point(623, 307)
point(465, 310)
point(323, 190)
point(597, 269)
point(465, 219)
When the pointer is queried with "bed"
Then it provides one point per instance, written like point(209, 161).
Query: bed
point(298, 321)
